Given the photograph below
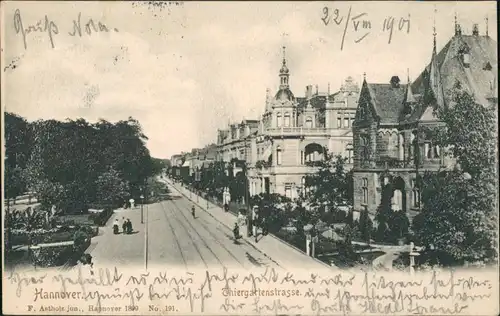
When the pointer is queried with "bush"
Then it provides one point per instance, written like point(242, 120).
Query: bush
point(365, 226)
point(54, 256)
point(100, 219)
point(81, 241)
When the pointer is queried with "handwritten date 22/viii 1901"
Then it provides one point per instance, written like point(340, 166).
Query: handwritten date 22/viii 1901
point(362, 24)
point(50, 27)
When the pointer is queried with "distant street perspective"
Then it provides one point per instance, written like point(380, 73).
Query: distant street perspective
point(175, 239)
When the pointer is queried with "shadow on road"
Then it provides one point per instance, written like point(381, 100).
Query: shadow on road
point(131, 233)
point(253, 260)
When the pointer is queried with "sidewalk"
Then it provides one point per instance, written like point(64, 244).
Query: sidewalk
point(280, 252)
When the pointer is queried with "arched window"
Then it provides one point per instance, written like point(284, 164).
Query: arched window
point(309, 122)
point(287, 119)
point(401, 147)
point(392, 149)
point(278, 119)
point(278, 155)
point(349, 153)
point(365, 190)
point(397, 200)
point(437, 151)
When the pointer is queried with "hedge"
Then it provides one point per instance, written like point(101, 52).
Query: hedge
point(100, 219)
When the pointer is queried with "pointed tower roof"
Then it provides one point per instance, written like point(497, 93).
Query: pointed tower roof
point(284, 93)
point(434, 94)
point(409, 98)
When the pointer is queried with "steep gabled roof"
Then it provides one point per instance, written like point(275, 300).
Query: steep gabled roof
point(475, 79)
point(387, 100)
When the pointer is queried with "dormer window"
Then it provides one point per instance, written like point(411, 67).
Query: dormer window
point(395, 81)
point(464, 55)
point(487, 66)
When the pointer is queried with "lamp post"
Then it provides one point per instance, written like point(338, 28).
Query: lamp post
point(142, 209)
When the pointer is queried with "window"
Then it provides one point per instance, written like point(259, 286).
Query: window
point(350, 156)
point(288, 191)
point(287, 119)
point(346, 122)
point(401, 147)
point(365, 191)
point(309, 122)
point(278, 155)
point(303, 183)
point(397, 200)
point(301, 157)
point(363, 144)
point(432, 151)
point(427, 150)
point(349, 153)
point(278, 120)
point(415, 193)
point(437, 151)
point(339, 121)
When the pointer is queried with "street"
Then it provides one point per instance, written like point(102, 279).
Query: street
point(174, 239)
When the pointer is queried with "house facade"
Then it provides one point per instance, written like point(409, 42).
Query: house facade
point(389, 134)
point(291, 132)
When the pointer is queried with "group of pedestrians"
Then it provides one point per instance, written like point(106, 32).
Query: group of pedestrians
point(126, 226)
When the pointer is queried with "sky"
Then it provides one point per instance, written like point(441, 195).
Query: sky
point(185, 70)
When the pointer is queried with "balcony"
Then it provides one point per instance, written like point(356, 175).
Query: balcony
point(390, 164)
point(297, 131)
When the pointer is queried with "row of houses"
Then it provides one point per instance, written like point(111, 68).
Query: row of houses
point(377, 127)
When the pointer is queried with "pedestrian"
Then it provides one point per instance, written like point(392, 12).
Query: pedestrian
point(193, 211)
point(236, 232)
point(116, 226)
point(124, 225)
point(129, 226)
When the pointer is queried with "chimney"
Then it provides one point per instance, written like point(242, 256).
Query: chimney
point(475, 30)
point(395, 82)
point(309, 89)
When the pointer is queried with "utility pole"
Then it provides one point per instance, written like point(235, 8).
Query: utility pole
point(249, 214)
point(142, 208)
point(146, 235)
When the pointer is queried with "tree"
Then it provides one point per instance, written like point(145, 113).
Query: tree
point(365, 226)
point(330, 185)
point(273, 209)
point(68, 158)
point(217, 179)
point(384, 214)
point(459, 214)
point(15, 182)
point(17, 152)
point(399, 225)
point(112, 189)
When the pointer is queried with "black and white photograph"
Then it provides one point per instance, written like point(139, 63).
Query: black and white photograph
point(249, 158)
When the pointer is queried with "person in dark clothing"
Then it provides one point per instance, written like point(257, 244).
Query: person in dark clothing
point(193, 212)
point(129, 226)
point(236, 232)
point(124, 225)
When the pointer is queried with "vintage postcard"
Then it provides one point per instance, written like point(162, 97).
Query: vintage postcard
point(249, 158)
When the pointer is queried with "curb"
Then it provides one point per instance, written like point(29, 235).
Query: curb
point(244, 238)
